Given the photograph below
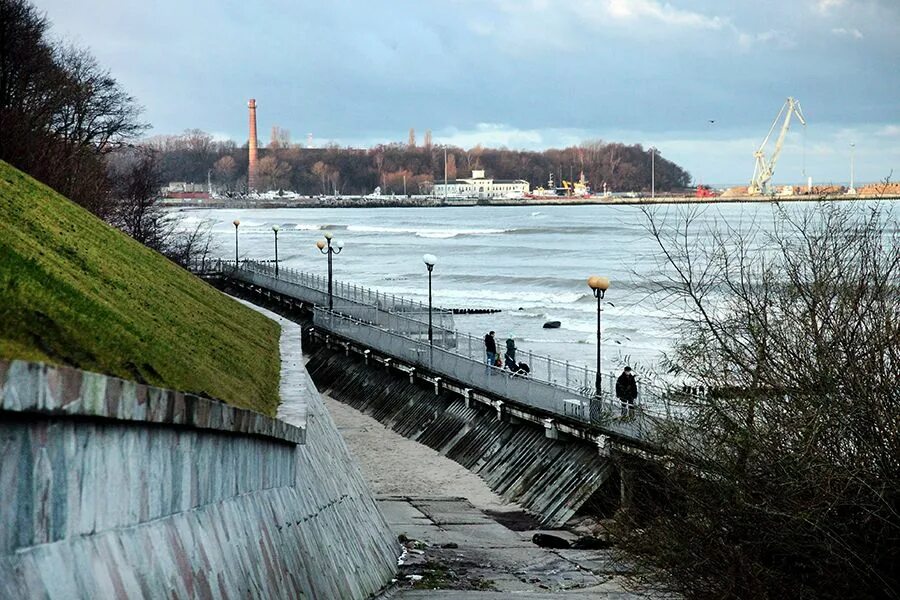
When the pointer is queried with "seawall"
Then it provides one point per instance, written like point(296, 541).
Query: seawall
point(552, 478)
point(114, 489)
point(432, 202)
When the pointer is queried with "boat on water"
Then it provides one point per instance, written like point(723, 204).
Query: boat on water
point(576, 190)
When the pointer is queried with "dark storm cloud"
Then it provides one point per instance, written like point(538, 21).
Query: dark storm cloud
point(530, 72)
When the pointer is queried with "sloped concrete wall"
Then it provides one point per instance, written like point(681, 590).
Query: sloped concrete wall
point(109, 489)
point(551, 478)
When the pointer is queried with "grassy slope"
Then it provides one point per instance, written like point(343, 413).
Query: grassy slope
point(75, 291)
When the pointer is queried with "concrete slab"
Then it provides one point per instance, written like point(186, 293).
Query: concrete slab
point(485, 560)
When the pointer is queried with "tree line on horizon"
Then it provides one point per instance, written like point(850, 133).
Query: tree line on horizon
point(195, 157)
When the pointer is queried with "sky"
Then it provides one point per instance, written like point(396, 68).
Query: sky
point(525, 74)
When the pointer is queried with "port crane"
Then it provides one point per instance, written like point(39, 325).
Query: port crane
point(764, 170)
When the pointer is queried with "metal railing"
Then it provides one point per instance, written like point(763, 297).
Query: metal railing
point(398, 327)
point(384, 310)
point(602, 410)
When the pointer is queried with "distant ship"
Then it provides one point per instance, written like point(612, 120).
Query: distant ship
point(577, 189)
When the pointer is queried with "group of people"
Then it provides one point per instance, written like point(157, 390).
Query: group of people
point(626, 385)
point(492, 357)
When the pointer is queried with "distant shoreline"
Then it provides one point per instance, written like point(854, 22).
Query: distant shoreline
point(419, 202)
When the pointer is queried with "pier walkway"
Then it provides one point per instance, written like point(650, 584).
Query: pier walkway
point(398, 328)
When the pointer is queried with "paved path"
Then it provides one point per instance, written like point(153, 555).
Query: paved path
point(430, 498)
point(294, 378)
point(487, 561)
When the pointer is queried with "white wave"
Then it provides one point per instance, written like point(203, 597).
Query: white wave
point(426, 232)
point(441, 235)
point(307, 227)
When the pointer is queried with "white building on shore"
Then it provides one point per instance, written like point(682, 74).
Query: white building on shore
point(479, 186)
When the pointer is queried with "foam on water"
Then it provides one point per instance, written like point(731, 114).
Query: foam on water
point(498, 257)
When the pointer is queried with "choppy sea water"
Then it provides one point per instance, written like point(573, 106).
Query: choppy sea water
point(530, 262)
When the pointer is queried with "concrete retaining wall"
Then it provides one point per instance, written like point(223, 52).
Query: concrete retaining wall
point(551, 478)
point(109, 489)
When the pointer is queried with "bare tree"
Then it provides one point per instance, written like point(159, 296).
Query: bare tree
point(273, 174)
point(60, 111)
point(784, 479)
point(225, 169)
point(320, 170)
point(135, 192)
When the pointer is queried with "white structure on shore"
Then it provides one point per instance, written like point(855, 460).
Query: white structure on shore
point(478, 186)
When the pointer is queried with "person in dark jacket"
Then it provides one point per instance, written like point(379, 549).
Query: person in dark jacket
point(626, 392)
point(511, 363)
point(490, 349)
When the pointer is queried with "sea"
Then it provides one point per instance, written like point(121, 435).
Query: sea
point(531, 263)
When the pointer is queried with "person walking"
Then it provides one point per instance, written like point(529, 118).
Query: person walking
point(490, 349)
point(626, 392)
point(510, 357)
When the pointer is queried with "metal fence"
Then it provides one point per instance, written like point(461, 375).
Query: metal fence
point(363, 304)
point(398, 327)
point(532, 390)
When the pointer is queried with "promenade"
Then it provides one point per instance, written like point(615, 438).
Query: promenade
point(396, 327)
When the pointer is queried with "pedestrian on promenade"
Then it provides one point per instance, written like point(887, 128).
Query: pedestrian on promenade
point(626, 392)
point(510, 357)
point(490, 349)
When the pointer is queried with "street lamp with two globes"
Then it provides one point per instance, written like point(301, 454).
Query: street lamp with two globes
point(327, 248)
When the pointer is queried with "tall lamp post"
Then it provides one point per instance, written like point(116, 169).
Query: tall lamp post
point(236, 224)
point(275, 229)
point(430, 260)
point(599, 285)
point(326, 248)
point(852, 189)
point(653, 172)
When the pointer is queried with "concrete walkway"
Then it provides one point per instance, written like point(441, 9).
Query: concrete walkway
point(295, 382)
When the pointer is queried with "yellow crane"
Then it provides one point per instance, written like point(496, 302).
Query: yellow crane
point(762, 173)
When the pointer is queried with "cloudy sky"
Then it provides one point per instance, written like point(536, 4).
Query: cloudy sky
point(520, 73)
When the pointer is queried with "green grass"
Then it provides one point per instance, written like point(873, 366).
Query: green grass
point(77, 292)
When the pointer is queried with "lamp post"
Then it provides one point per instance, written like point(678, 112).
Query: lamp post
point(429, 260)
point(599, 285)
point(852, 189)
point(652, 172)
point(236, 224)
point(326, 248)
point(275, 229)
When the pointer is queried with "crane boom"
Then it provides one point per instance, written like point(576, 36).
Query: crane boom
point(765, 169)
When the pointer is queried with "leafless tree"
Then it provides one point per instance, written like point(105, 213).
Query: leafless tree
point(273, 174)
point(225, 169)
point(135, 176)
point(135, 193)
point(784, 479)
point(60, 111)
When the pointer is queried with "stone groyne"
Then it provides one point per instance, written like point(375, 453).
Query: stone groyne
point(111, 489)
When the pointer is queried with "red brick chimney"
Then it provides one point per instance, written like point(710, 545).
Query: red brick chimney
point(252, 147)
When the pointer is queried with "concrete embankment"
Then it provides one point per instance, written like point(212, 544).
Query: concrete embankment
point(110, 489)
point(551, 478)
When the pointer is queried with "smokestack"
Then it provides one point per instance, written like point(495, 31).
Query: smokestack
point(252, 147)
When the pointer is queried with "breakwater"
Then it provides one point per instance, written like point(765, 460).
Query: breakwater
point(433, 202)
point(109, 489)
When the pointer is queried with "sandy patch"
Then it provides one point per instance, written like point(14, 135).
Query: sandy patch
point(394, 465)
